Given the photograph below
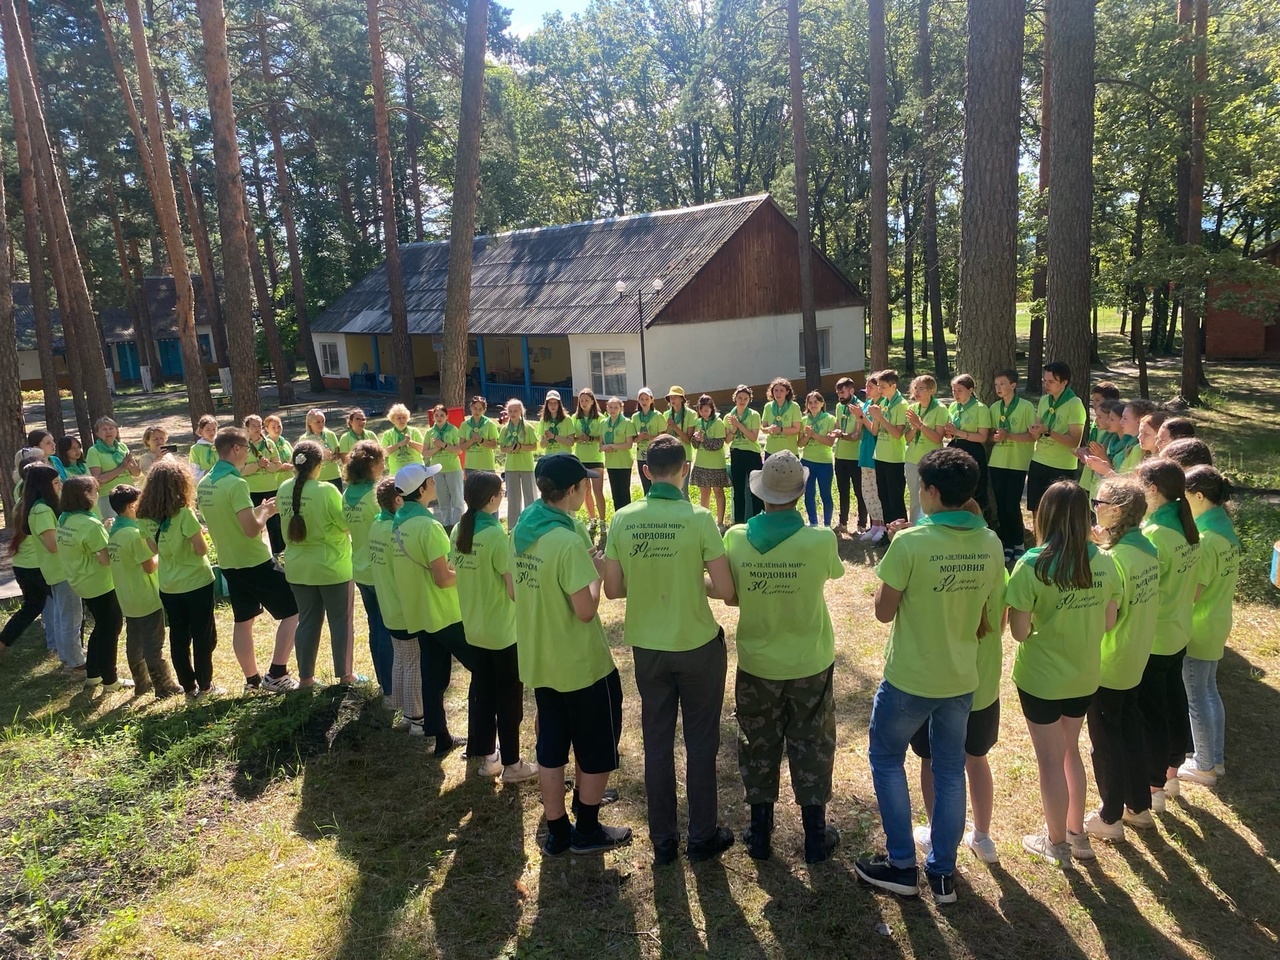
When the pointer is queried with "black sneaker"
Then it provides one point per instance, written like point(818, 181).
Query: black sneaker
point(446, 747)
point(712, 847)
point(666, 852)
point(606, 838)
point(553, 847)
point(879, 872)
point(943, 887)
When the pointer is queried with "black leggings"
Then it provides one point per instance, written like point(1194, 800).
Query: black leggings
point(104, 639)
point(1006, 490)
point(34, 594)
point(979, 452)
point(848, 473)
point(619, 488)
point(891, 481)
point(274, 533)
point(435, 659)
point(496, 703)
point(1162, 697)
point(192, 636)
point(745, 504)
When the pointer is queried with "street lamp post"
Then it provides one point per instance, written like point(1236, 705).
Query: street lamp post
point(621, 287)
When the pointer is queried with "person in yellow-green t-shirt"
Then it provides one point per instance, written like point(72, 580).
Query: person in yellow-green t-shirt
point(202, 456)
point(262, 468)
point(660, 548)
point(587, 423)
point(709, 474)
point(565, 657)
point(848, 473)
point(1011, 419)
point(354, 434)
point(518, 440)
point(926, 418)
point(648, 423)
point(1058, 429)
point(480, 552)
point(401, 443)
point(889, 424)
point(742, 430)
point(781, 419)
point(786, 657)
point(318, 433)
point(817, 442)
point(479, 437)
point(110, 462)
point(968, 426)
point(680, 423)
point(443, 444)
point(406, 667)
point(365, 466)
point(617, 435)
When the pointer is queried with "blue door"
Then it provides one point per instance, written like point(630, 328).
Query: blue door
point(170, 358)
point(128, 354)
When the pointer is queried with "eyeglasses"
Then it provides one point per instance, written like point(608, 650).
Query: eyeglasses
point(1101, 503)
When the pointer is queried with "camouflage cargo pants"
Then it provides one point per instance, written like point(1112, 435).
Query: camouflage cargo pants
point(796, 714)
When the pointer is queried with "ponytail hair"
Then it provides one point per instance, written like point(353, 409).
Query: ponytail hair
point(1126, 495)
point(481, 487)
point(307, 456)
point(1211, 484)
point(1062, 530)
point(1171, 483)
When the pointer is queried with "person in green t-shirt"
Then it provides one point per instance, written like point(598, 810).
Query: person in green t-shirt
point(681, 422)
point(317, 562)
point(1057, 428)
point(185, 576)
point(25, 549)
point(365, 465)
point(1063, 597)
point(742, 430)
point(1115, 712)
point(648, 423)
point(1171, 527)
point(133, 569)
point(1218, 573)
point(202, 456)
point(355, 433)
point(940, 589)
point(817, 442)
point(587, 421)
point(253, 576)
point(657, 552)
point(110, 462)
point(479, 437)
point(327, 440)
point(406, 666)
point(617, 435)
point(261, 471)
point(781, 420)
point(888, 422)
point(926, 418)
point(518, 440)
point(786, 658)
point(480, 551)
point(273, 427)
point(82, 545)
point(968, 426)
point(443, 445)
point(401, 443)
point(1011, 419)
point(555, 429)
point(70, 457)
point(565, 657)
point(848, 473)
point(1127, 451)
point(709, 474)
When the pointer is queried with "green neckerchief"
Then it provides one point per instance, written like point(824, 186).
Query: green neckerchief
point(664, 491)
point(611, 427)
point(814, 419)
point(77, 469)
point(62, 517)
point(260, 449)
point(1004, 412)
point(1135, 539)
point(56, 463)
point(484, 520)
point(958, 410)
point(385, 515)
point(672, 422)
point(471, 422)
point(1217, 521)
point(779, 411)
point(223, 468)
point(513, 434)
point(952, 518)
point(646, 419)
point(705, 425)
point(766, 530)
point(893, 401)
point(441, 432)
point(553, 427)
point(362, 435)
point(322, 439)
point(1051, 414)
point(122, 522)
point(408, 510)
point(537, 519)
point(116, 453)
point(400, 435)
point(1121, 449)
point(1168, 515)
point(355, 492)
point(917, 434)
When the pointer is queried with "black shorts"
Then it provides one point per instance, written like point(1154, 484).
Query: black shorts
point(1044, 712)
point(400, 634)
point(1040, 478)
point(593, 465)
point(588, 720)
point(252, 588)
point(980, 736)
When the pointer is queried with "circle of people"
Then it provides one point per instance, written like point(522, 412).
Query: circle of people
point(1120, 612)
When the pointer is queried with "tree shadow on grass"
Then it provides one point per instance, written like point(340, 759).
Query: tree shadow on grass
point(1019, 922)
point(1124, 929)
point(582, 910)
point(1252, 787)
point(729, 933)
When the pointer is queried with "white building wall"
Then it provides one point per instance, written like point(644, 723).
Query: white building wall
point(28, 365)
point(580, 348)
point(344, 366)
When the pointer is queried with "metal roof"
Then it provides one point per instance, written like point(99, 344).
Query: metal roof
point(551, 280)
point(116, 322)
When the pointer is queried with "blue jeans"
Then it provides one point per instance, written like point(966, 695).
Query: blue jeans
point(379, 638)
point(1208, 717)
point(895, 717)
point(63, 617)
point(819, 481)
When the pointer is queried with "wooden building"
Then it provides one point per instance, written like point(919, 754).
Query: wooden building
point(705, 297)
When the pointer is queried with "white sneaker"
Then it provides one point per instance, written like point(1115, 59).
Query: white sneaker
point(1172, 789)
point(1220, 770)
point(1157, 802)
point(91, 682)
point(1039, 844)
point(923, 835)
point(1143, 820)
point(120, 684)
point(870, 532)
point(285, 684)
point(1095, 826)
point(984, 849)
point(415, 729)
point(878, 534)
point(491, 766)
point(402, 724)
point(1193, 774)
point(1081, 848)
point(519, 772)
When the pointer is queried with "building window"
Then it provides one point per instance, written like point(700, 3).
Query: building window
point(329, 364)
point(824, 350)
point(609, 373)
point(205, 344)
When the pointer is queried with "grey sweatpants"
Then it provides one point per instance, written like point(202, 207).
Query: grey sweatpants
point(521, 491)
point(144, 647)
point(315, 604)
point(449, 497)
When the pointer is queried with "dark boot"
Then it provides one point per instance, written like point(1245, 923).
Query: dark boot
point(759, 836)
point(820, 838)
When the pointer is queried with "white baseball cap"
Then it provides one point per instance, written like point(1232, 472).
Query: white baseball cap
point(553, 395)
point(411, 477)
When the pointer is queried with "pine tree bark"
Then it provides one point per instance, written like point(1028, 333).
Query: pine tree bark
point(147, 334)
point(879, 306)
point(1069, 287)
point(401, 345)
point(462, 226)
point(1035, 345)
point(229, 183)
point(200, 401)
point(413, 140)
point(1192, 307)
point(988, 298)
point(800, 142)
point(281, 367)
point(268, 242)
point(13, 427)
point(929, 220)
point(908, 274)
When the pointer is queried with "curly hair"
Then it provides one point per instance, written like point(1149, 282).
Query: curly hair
point(365, 456)
point(1126, 495)
point(785, 384)
point(169, 488)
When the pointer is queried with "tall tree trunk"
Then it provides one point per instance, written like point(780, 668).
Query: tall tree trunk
point(229, 181)
point(800, 142)
point(147, 346)
point(268, 241)
point(1069, 290)
point(401, 345)
point(131, 290)
point(13, 427)
point(462, 227)
point(79, 325)
point(413, 139)
point(281, 365)
point(908, 276)
point(879, 186)
point(284, 198)
point(929, 221)
point(200, 401)
point(1192, 306)
point(1035, 344)
point(988, 296)
point(35, 252)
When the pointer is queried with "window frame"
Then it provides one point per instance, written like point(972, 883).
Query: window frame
point(325, 370)
point(600, 386)
point(824, 340)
